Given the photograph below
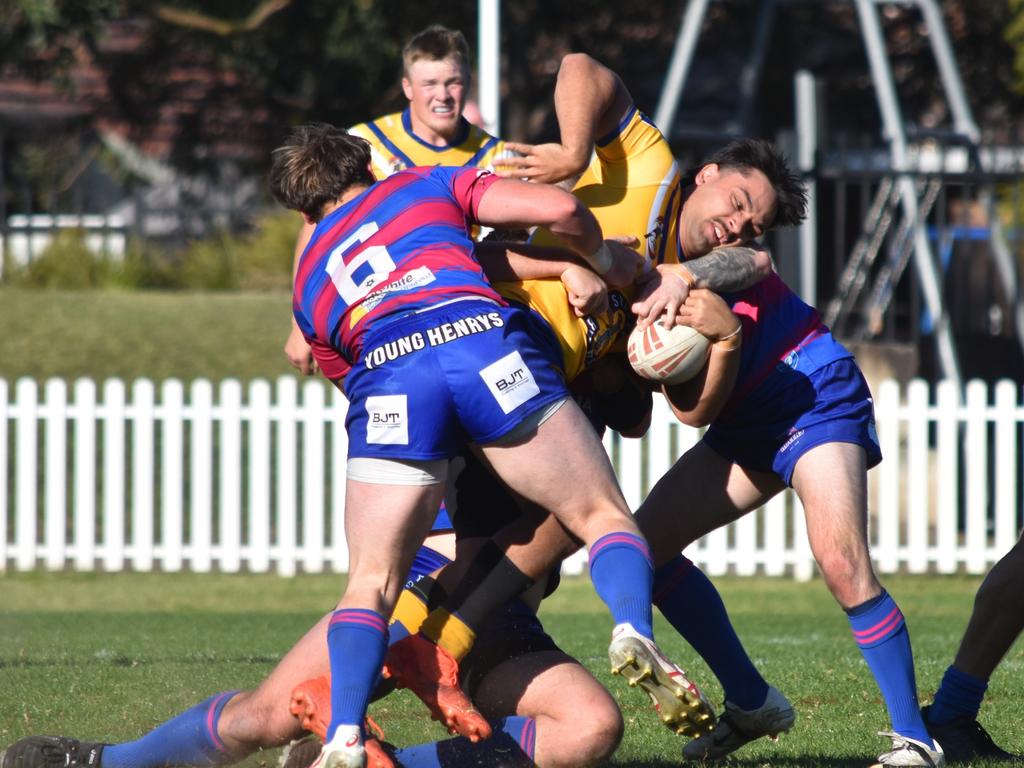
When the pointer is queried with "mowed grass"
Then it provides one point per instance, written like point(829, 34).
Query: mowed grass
point(108, 656)
point(136, 334)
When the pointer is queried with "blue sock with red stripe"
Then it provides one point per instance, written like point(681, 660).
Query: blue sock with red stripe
point(357, 641)
point(690, 602)
point(512, 742)
point(189, 739)
point(882, 637)
point(622, 572)
point(959, 695)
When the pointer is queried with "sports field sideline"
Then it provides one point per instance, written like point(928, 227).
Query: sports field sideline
point(107, 656)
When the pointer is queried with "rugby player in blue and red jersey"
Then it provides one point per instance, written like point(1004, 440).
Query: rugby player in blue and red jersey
point(396, 306)
point(785, 405)
point(800, 413)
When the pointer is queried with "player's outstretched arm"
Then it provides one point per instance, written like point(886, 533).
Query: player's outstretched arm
point(513, 262)
point(590, 100)
point(514, 203)
point(699, 401)
point(507, 262)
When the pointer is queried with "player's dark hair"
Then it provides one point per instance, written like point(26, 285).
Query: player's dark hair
point(315, 165)
point(435, 43)
point(744, 155)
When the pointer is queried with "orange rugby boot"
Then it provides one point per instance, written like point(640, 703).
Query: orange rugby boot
point(432, 674)
point(376, 755)
point(311, 704)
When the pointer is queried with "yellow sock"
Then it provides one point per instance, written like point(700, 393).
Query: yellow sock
point(450, 632)
point(410, 612)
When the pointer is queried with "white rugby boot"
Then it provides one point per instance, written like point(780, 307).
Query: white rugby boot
point(681, 705)
point(737, 727)
point(907, 751)
point(345, 750)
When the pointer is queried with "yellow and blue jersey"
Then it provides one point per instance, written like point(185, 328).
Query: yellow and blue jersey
point(632, 186)
point(394, 147)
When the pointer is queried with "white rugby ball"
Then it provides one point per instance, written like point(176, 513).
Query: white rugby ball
point(667, 355)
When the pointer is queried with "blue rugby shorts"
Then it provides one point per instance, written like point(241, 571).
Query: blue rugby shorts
point(428, 383)
point(830, 405)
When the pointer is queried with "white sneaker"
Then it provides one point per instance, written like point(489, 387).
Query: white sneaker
point(680, 703)
point(906, 751)
point(738, 726)
point(345, 750)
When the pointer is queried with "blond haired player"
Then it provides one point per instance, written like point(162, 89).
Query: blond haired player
point(431, 130)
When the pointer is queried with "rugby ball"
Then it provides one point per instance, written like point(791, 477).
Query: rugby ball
point(667, 355)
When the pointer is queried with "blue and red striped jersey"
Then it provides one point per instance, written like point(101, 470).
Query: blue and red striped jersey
point(780, 332)
point(401, 246)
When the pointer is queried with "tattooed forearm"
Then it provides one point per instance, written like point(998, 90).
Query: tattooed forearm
point(731, 269)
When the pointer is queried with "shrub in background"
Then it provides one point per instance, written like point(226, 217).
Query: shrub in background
point(65, 263)
point(268, 251)
point(258, 260)
point(211, 264)
point(148, 267)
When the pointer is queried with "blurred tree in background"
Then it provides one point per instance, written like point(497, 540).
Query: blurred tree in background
point(210, 86)
point(200, 82)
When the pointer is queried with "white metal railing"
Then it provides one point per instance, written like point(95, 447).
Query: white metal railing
point(231, 478)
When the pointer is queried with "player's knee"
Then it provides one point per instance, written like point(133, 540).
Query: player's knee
point(849, 576)
point(606, 733)
point(597, 731)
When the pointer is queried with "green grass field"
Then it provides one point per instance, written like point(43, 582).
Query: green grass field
point(133, 334)
point(107, 656)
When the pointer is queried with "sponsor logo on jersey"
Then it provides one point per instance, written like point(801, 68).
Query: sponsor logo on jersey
point(387, 421)
point(415, 278)
point(434, 337)
point(510, 381)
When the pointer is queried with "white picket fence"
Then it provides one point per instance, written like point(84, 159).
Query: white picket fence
point(251, 478)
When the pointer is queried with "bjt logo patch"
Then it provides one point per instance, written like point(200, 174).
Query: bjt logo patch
point(510, 381)
point(387, 421)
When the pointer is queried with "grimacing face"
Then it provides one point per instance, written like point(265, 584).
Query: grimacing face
point(437, 92)
point(727, 207)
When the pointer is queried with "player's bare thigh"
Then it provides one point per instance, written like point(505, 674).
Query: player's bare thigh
point(578, 722)
point(701, 492)
point(831, 481)
point(564, 468)
point(384, 526)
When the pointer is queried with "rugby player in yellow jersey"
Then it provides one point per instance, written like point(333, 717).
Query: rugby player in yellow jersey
point(431, 130)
